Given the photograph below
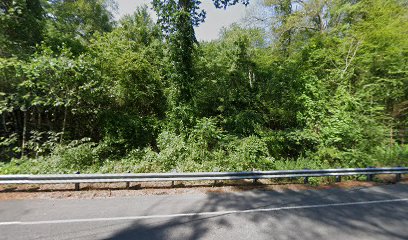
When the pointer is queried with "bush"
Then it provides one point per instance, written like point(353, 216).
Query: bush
point(298, 164)
point(131, 163)
point(396, 155)
point(76, 157)
point(288, 144)
point(247, 154)
point(8, 147)
point(25, 165)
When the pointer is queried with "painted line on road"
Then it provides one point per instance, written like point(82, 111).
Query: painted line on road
point(201, 213)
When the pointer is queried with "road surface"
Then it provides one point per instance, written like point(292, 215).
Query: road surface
point(379, 212)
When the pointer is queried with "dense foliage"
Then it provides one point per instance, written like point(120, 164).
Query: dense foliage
point(311, 84)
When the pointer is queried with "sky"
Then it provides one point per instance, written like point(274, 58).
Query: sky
point(209, 30)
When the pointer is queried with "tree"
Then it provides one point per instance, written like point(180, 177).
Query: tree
point(178, 19)
point(130, 60)
point(73, 23)
point(21, 26)
point(330, 88)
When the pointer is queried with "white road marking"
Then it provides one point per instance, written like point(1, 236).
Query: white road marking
point(201, 213)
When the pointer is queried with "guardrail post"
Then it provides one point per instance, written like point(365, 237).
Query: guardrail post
point(216, 169)
point(77, 187)
point(306, 179)
point(370, 176)
point(172, 182)
point(255, 180)
point(398, 176)
point(338, 178)
point(128, 183)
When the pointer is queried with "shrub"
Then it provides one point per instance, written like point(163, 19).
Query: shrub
point(396, 155)
point(76, 156)
point(300, 163)
point(247, 154)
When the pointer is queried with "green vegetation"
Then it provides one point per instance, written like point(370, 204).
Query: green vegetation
point(315, 84)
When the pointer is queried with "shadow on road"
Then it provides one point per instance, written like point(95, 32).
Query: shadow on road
point(379, 221)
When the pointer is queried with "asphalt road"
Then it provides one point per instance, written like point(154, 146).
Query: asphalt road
point(362, 213)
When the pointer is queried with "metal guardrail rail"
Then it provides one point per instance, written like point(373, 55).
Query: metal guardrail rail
point(214, 176)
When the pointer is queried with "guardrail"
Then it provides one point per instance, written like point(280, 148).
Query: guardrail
point(214, 176)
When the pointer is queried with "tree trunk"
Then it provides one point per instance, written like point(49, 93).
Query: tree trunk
point(23, 142)
point(391, 137)
point(4, 122)
point(39, 120)
point(48, 121)
point(64, 122)
point(184, 4)
point(16, 127)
